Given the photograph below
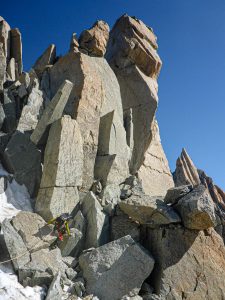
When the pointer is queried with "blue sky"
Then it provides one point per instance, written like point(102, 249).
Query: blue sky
point(191, 37)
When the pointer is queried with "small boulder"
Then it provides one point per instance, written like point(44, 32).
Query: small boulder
point(174, 194)
point(55, 290)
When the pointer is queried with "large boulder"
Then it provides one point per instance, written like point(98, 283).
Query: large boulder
point(189, 264)
point(151, 211)
point(176, 193)
point(186, 172)
point(16, 49)
point(94, 40)
point(197, 209)
point(116, 269)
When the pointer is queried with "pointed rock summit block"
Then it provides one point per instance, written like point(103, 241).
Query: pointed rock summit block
point(94, 40)
point(186, 172)
point(16, 49)
point(46, 59)
point(63, 169)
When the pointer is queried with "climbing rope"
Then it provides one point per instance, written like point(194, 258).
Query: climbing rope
point(21, 255)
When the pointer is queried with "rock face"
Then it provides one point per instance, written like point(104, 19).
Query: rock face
point(186, 172)
point(132, 54)
point(189, 264)
point(94, 40)
point(79, 135)
point(104, 268)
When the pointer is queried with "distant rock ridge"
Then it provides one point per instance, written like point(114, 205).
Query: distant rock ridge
point(79, 135)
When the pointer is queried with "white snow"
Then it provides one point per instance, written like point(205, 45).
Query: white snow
point(14, 199)
point(10, 289)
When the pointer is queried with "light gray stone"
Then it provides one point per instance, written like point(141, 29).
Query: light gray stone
point(79, 222)
point(9, 107)
point(11, 69)
point(97, 222)
point(2, 67)
point(122, 225)
point(23, 159)
point(197, 209)
point(116, 268)
point(151, 211)
point(174, 194)
point(53, 111)
point(16, 49)
point(74, 44)
point(55, 291)
point(52, 202)
point(37, 235)
point(63, 161)
point(71, 245)
point(15, 245)
point(5, 38)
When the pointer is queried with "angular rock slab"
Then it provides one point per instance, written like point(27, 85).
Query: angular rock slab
point(36, 234)
point(197, 209)
point(154, 173)
point(55, 290)
point(52, 202)
point(23, 159)
point(150, 211)
point(186, 172)
point(116, 268)
point(97, 222)
point(71, 244)
point(15, 245)
point(189, 264)
point(47, 58)
point(63, 160)
point(16, 49)
point(174, 194)
point(94, 40)
point(53, 111)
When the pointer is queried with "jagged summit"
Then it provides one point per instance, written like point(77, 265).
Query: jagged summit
point(80, 146)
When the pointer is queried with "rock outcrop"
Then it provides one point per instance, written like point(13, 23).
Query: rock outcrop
point(88, 206)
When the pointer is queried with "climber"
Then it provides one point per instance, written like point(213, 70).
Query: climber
point(61, 224)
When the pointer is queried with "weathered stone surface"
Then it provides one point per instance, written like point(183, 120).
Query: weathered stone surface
point(174, 194)
point(148, 210)
point(15, 245)
point(71, 245)
point(4, 139)
point(154, 173)
point(52, 112)
point(47, 58)
point(36, 235)
point(16, 49)
point(2, 67)
point(116, 268)
point(122, 225)
point(63, 161)
point(9, 107)
point(197, 209)
point(23, 159)
point(94, 40)
point(189, 264)
point(11, 69)
point(43, 267)
point(186, 172)
point(97, 222)
point(131, 41)
point(96, 93)
point(31, 112)
point(5, 38)
point(52, 202)
point(79, 222)
point(55, 290)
